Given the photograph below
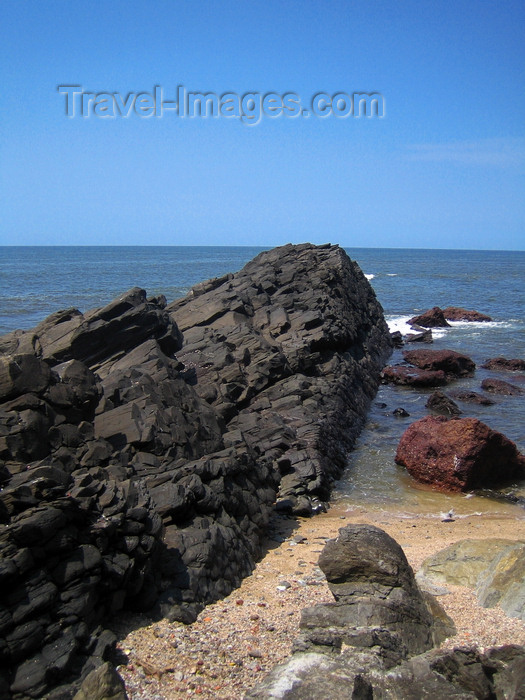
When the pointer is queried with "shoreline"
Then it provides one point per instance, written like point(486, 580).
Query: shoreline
point(253, 628)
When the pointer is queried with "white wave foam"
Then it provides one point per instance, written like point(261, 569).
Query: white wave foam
point(369, 277)
point(439, 332)
point(400, 323)
point(482, 324)
point(391, 274)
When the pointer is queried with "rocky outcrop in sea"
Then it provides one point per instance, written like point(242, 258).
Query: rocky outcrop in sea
point(143, 447)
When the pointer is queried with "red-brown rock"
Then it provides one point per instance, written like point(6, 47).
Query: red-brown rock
point(502, 363)
point(412, 376)
point(458, 454)
point(449, 361)
point(456, 313)
point(433, 318)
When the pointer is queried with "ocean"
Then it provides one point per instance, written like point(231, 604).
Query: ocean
point(36, 281)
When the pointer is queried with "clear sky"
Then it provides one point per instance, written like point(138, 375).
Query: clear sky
point(442, 168)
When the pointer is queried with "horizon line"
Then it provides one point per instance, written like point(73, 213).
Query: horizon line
point(262, 247)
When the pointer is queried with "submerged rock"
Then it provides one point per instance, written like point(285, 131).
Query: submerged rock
point(428, 368)
point(498, 386)
point(458, 454)
point(502, 363)
point(472, 397)
point(441, 403)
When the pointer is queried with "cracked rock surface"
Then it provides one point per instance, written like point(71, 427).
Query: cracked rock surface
point(144, 446)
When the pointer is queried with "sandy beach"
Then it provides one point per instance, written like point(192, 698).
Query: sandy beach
point(237, 640)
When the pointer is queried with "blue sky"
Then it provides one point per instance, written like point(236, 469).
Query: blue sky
point(443, 168)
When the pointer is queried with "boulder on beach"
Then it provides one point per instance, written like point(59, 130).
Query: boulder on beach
point(458, 454)
point(378, 619)
point(376, 640)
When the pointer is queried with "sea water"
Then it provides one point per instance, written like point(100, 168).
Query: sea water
point(36, 281)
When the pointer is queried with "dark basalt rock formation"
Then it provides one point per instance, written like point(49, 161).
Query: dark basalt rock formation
point(280, 352)
point(377, 639)
point(397, 339)
point(504, 364)
point(139, 467)
point(458, 454)
point(456, 313)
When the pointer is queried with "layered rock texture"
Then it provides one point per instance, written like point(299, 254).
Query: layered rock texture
point(144, 446)
point(378, 639)
point(494, 568)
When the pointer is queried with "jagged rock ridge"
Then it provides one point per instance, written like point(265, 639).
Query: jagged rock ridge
point(143, 447)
